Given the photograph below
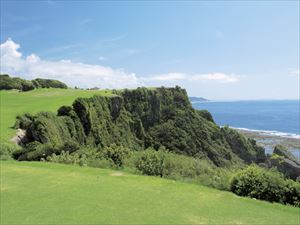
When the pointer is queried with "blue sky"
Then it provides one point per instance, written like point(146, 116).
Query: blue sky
point(218, 50)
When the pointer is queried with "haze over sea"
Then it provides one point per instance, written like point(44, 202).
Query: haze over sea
point(277, 117)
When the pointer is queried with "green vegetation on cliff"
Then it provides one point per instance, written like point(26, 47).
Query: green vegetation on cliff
point(15, 103)
point(138, 119)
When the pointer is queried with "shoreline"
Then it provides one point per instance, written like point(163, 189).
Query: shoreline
point(269, 139)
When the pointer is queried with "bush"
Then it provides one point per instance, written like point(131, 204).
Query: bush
point(110, 157)
point(49, 83)
point(8, 83)
point(266, 185)
point(6, 151)
point(23, 121)
point(117, 154)
point(151, 162)
point(27, 85)
point(67, 158)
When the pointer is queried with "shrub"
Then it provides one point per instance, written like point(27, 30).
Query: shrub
point(151, 162)
point(6, 151)
point(8, 83)
point(266, 185)
point(67, 158)
point(179, 167)
point(49, 83)
point(23, 121)
point(117, 154)
point(27, 85)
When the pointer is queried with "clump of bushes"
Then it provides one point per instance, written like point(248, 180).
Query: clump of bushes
point(23, 121)
point(151, 162)
point(117, 154)
point(179, 167)
point(269, 185)
point(48, 83)
point(8, 83)
point(112, 156)
point(6, 151)
point(148, 162)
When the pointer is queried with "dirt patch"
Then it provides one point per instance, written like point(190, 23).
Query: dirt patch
point(117, 174)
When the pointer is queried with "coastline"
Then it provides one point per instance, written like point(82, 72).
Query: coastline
point(268, 139)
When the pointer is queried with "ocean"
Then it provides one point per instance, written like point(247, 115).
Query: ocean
point(277, 117)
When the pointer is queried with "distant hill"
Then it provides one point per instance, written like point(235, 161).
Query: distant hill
point(197, 99)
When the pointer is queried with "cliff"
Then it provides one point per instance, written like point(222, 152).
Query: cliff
point(136, 119)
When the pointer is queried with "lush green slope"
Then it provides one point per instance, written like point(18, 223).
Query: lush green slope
point(47, 193)
point(137, 119)
point(14, 103)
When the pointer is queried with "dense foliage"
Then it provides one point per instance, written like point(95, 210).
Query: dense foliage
point(149, 162)
point(48, 83)
point(8, 83)
point(139, 119)
point(267, 185)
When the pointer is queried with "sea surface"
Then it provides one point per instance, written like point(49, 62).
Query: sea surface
point(277, 117)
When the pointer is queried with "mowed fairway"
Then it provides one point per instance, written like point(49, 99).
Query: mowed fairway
point(45, 193)
point(15, 103)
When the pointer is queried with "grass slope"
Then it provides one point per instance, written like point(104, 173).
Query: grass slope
point(14, 103)
point(47, 193)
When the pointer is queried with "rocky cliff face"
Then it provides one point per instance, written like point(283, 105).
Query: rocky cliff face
point(138, 119)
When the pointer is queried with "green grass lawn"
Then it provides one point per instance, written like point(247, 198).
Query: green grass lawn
point(48, 193)
point(14, 103)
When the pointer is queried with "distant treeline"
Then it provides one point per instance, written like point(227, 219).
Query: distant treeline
point(8, 83)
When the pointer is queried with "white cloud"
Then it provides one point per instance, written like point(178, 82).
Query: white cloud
point(79, 74)
point(217, 77)
point(167, 77)
point(89, 75)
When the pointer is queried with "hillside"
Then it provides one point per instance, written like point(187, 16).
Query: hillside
point(137, 119)
point(47, 193)
point(14, 103)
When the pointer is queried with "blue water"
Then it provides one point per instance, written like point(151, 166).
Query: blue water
point(282, 116)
